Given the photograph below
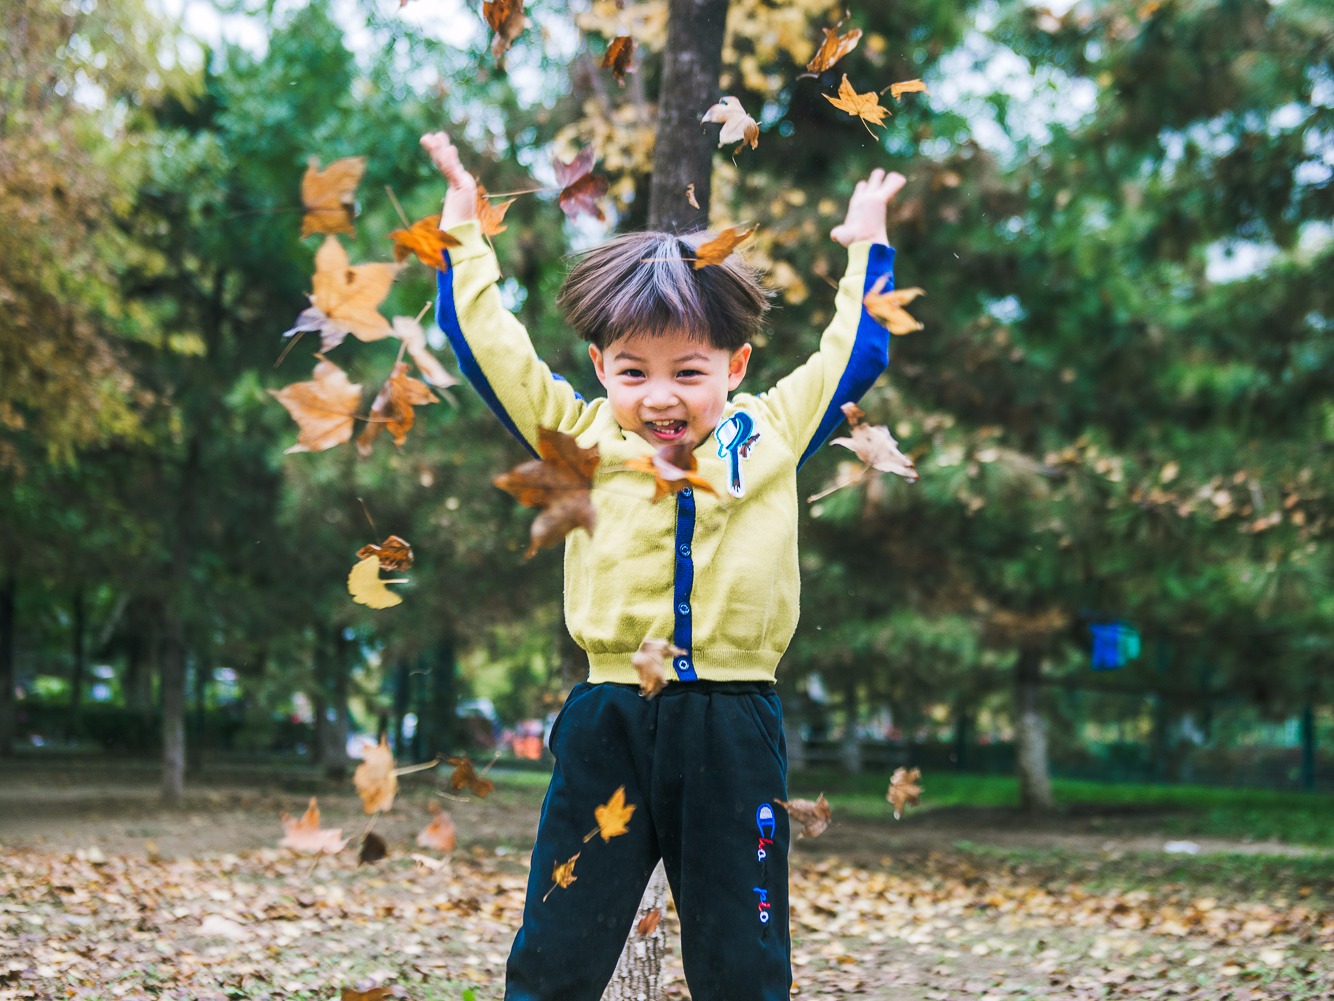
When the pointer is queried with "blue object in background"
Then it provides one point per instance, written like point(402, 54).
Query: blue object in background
point(1114, 643)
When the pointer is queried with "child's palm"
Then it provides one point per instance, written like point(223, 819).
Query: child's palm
point(461, 198)
point(866, 208)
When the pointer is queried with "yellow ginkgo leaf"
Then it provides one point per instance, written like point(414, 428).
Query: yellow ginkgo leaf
point(366, 587)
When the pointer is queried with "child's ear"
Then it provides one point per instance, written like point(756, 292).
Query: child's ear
point(736, 366)
point(598, 365)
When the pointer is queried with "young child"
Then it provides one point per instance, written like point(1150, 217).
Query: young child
point(716, 574)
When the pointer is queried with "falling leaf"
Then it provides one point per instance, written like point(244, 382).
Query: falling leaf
point(648, 924)
point(394, 553)
point(323, 407)
point(563, 874)
point(507, 20)
point(874, 445)
point(410, 332)
point(558, 483)
point(306, 835)
point(375, 779)
point(346, 299)
point(618, 56)
point(329, 195)
point(887, 307)
point(465, 776)
point(439, 834)
point(373, 848)
point(426, 239)
point(367, 588)
point(833, 48)
point(491, 216)
point(715, 251)
point(903, 789)
point(897, 90)
point(612, 817)
point(737, 126)
point(673, 468)
point(392, 410)
point(813, 816)
point(580, 187)
point(864, 106)
point(690, 195)
point(650, 661)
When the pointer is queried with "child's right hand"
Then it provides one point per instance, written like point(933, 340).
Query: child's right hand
point(461, 198)
point(867, 209)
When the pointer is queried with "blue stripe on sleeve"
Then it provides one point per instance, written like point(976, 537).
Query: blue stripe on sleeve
point(869, 357)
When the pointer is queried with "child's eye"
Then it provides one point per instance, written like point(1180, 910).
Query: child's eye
point(632, 373)
point(690, 373)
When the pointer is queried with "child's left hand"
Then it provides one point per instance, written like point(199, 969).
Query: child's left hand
point(866, 209)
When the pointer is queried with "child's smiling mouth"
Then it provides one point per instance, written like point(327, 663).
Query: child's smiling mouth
point(666, 431)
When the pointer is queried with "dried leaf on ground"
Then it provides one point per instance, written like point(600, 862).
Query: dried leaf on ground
point(465, 776)
point(376, 783)
point(904, 790)
point(887, 307)
point(617, 58)
point(439, 835)
point(864, 106)
point(373, 848)
point(329, 196)
point(491, 215)
point(426, 239)
point(393, 411)
point(507, 20)
point(814, 816)
point(650, 661)
point(558, 483)
point(324, 407)
point(897, 90)
point(367, 587)
point(374, 993)
point(580, 187)
point(410, 332)
point(612, 817)
point(833, 48)
point(562, 874)
point(715, 251)
point(394, 553)
point(346, 299)
point(673, 468)
point(737, 126)
point(874, 445)
point(306, 835)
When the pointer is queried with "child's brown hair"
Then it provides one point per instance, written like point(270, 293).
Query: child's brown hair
point(646, 283)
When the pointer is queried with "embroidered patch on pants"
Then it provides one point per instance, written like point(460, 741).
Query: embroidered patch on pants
point(767, 824)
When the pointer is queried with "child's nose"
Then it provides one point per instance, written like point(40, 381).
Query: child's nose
point(660, 397)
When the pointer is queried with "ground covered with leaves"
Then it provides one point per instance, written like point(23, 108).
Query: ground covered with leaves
point(105, 895)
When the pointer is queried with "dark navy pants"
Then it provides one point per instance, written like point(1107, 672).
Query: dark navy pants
point(702, 763)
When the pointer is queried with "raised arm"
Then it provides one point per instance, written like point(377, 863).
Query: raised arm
point(494, 351)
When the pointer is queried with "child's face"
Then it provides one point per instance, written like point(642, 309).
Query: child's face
point(668, 388)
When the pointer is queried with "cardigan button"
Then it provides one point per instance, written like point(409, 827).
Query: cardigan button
point(684, 550)
point(683, 665)
point(687, 492)
point(683, 609)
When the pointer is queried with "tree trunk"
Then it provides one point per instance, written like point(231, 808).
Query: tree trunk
point(442, 738)
point(173, 710)
point(1030, 733)
point(851, 748)
point(8, 668)
point(79, 674)
point(638, 975)
point(683, 151)
point(1308, 748)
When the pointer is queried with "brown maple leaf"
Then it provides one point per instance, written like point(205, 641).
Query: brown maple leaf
point(897, 90)
point(904, 790)
point(346, 299)
point(426, 239)
point(394, 553)
point(737, 126)
point(373, 848)
point(612, 817)
point(491, 216)
point(367, 587)
point(373, 993)
point(715, 251)
point(329, 195)
point(306, 835)
point(439, 834)
point(833, 48)
point(558, 483)
point(864, 106)
point(813, 816)
point(618, 56)
point(874, 445)
point(887, 307)
point(392, 410)
point(580, 187)
point(506, 19)
point(562, 874)
point(410, 332)
point(324, 407)
point(465, 776)
point(375, 779)
point(650, 661)
point(673, 468)
point(648, 924)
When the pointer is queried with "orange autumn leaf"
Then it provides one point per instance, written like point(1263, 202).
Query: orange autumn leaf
point(618, 56)
point(306, 835)
point(558, 483)
point(465, 776)
point(329, 195)
point(424, 238)
point(393, 411)
point(373, 993)
point(375, 779)
point(813, 816)
point(874, 445)
point(887, 307)
point(324, 407)
point(648, 924)
point(864, 106)
point(612, 817)
point(439, 835)
point(833, 48)
point(737, 126)
point(897, 90)
point(393, 553)
point(650, 661)
point(673, 468)
point(491, 216)
point(562, 874)
point(580, 187)
point(715, 251)
point(506, 19)
point(346, 298)
point(368, 588)
point(904, 790)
